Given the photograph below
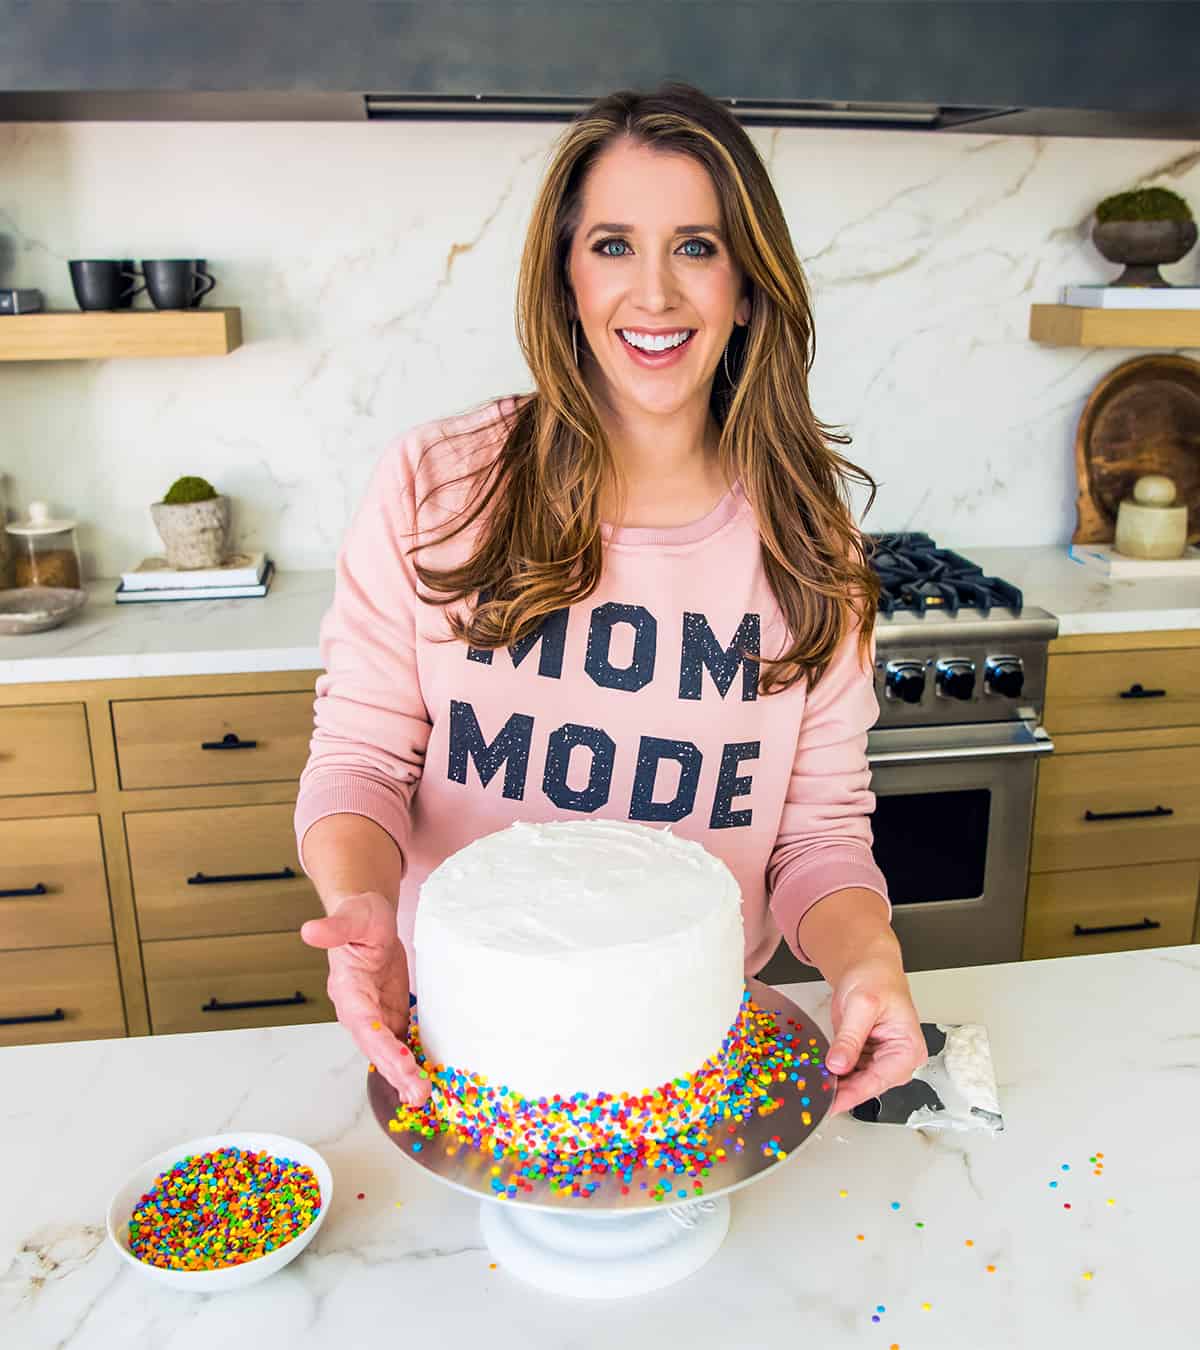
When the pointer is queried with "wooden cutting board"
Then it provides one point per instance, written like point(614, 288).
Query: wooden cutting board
point(1143, 417)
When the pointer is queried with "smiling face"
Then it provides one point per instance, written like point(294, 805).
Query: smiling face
point(640, 265)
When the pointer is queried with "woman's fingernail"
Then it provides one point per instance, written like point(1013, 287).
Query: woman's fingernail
point(404, 1049)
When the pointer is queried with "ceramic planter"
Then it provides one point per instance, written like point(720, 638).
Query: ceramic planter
point(194, 534)
point(1142, 245)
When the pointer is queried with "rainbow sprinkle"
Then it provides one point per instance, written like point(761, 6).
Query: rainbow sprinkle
point(574, 1142)
point(219, 1209)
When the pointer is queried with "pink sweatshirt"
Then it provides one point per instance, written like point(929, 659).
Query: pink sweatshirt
point(632, 704)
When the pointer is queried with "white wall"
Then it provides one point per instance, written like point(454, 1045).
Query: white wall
point(375, 267)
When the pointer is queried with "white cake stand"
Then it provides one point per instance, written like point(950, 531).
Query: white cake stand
point(613, 1245)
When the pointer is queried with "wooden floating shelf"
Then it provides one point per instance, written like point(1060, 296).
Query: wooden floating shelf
point(1075, 326)
point(82, 335)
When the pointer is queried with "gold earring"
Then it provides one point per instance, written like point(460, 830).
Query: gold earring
point(725, 360)
point(574, 340)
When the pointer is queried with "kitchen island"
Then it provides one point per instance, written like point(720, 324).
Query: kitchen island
point(1094, 1055)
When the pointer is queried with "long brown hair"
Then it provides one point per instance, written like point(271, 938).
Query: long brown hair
point(540, 548)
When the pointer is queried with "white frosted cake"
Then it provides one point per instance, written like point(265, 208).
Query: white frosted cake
point(578, 957)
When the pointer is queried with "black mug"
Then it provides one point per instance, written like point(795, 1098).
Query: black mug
point(177, 283)
point(104, 283)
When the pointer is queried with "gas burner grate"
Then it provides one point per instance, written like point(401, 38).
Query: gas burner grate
point(917, 576)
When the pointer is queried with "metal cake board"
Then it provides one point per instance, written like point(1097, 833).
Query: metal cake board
point(611, 1244)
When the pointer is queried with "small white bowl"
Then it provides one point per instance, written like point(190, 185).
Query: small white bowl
point(121, 1207)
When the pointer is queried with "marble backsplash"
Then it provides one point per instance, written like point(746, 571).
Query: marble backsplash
point(375, 267)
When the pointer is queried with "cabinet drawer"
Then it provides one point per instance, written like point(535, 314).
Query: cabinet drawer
point(219, 738)
point(1113, 787)
point(59, 994)
point(214, 984)
point(61, 862)
point(44, 748)
point(1106, 898)
point(216, 870)
point(1083, 691)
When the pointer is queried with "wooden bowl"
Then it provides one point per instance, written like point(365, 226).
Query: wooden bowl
point(1143, 417)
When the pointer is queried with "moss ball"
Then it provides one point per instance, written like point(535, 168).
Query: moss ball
point(1143, 204)
point(189, 489)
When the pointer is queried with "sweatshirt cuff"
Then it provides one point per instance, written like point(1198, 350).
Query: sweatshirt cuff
point(351, 795)
point(803, 888)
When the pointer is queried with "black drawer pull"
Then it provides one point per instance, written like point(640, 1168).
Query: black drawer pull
point(230, 741)
point(1143, 927)
point(1129, 815)
point(56, 1016)
point(201, 880)
point(214, 1005)
point(1136, 691)
point(39, 889)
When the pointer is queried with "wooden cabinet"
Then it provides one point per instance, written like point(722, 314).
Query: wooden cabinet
point(1111, 909)
point(44, 749)
point(259, 980)
point(1117, 808)
point(1123, 690)
point(182, 742)
point(53, 890)
point(59, 994)
point(1115, 862)
point(214, 870)
point(148, 871)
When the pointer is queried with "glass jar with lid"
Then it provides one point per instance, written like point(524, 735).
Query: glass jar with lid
point(45, 552)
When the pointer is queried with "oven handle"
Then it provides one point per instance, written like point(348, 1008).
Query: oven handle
point(1038, 743)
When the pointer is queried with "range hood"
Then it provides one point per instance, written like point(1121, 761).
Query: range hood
point(797, 112)
point(1032, 67)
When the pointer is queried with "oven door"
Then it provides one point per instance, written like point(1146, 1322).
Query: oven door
point(952, 826)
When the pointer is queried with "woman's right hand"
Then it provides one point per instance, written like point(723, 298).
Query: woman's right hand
point(368, 985)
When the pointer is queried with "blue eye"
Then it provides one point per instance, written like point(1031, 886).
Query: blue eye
point(709, 250)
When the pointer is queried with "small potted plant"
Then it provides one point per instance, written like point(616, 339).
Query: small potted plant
point(193, 522)
point(1142, 229)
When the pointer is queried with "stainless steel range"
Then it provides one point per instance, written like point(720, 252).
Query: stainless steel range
point(960, 673)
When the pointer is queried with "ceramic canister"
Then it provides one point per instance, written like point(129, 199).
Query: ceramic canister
point(1150, 525)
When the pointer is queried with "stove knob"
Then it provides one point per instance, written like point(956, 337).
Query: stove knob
point(905, 680)
point(1004, 675)
point(956, 679)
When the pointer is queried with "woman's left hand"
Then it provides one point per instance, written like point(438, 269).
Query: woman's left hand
point(877, 1041)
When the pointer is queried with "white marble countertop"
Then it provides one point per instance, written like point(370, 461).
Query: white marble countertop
point(279, 632)
point(1093, 1053)
point(1083, 600)
point(188, 637)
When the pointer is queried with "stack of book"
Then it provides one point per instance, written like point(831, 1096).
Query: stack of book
point(1105, 559)
point(1131, 297)
point(241, 574)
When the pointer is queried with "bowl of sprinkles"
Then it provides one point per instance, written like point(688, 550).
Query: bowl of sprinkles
point(221, 1212)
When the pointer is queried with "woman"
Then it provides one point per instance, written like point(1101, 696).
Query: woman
point(636, 593)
